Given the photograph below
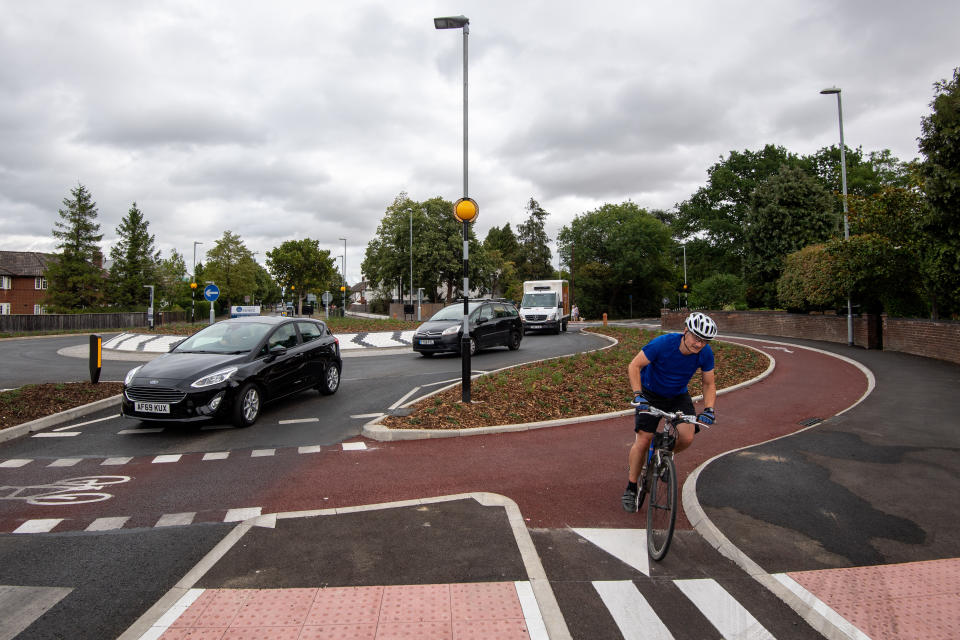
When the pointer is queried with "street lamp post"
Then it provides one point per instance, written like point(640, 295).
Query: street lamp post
point(344, 277)
point(193, 285)
point(411, 256)
point(843, 178)
point(465, 209)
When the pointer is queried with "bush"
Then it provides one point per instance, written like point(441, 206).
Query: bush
point(719, 291)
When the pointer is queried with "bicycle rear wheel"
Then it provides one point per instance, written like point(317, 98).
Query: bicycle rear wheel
point(662, 508)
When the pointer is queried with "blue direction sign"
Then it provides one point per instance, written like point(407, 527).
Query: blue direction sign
point(211, 292)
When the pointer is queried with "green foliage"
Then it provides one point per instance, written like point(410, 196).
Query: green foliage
point(230, 266)
point(437, 250)
point(940, 171)
point(533, 262)
point(718, 292)
point(504, 253)
point(74, 282)
point(618, 251)
point(302, 267)
point(174, 289)
point(787, 212)
point(135, 261)
point(809, 280)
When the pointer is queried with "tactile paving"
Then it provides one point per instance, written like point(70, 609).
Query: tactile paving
point(886, 602)
point(415, 612)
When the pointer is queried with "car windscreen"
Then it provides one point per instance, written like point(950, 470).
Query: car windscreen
point(225, 337)
point(539, 300)
point(453, 312)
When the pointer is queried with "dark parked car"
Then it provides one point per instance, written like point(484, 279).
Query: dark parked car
point(492, 323)
point(231, 368)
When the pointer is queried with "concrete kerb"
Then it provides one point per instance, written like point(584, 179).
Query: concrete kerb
point(150, 624)
point(376, 431)
point(57, 418)
point(833, 628)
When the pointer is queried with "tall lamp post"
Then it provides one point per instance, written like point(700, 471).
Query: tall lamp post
point(846, 222)
point(193, 285)
point(465, 209)
point(344, 277)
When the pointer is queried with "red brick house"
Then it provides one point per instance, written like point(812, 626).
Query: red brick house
point(23, 282)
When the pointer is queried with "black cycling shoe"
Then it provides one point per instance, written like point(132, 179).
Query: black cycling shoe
point(630, 501)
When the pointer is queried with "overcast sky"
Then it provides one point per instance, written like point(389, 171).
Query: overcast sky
point(290, 119)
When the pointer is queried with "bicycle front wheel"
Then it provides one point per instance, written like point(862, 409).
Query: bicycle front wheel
point(662, 508)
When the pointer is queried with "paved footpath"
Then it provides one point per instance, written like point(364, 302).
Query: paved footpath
point(816, 518)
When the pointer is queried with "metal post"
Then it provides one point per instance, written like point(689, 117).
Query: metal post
point(411, 257)
point(846, 222)
point(193, 290)
point(465, 344)
point(344, 277)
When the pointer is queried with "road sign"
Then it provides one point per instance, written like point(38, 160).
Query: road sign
point(211, 292)
point(326, 297)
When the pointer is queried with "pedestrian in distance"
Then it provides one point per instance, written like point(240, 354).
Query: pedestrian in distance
point(659, 376)
point(575, 313)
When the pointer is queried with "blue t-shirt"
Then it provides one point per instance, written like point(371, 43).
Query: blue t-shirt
point(670, 371)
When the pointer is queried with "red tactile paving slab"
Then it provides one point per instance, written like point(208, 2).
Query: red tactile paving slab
point(886, 602)
point(416, 612)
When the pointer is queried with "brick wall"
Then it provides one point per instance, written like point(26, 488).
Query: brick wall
point(926, 338)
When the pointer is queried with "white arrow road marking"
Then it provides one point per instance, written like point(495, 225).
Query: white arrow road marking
point(627, 545)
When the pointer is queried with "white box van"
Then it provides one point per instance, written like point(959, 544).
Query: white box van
point(545, 305)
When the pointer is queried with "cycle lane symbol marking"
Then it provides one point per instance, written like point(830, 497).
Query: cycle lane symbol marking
point(69, 491)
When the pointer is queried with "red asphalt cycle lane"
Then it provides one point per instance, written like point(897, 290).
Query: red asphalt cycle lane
point(572, 475)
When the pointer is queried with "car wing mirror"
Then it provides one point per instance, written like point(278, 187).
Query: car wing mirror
point(277, 350)
point(174, 345)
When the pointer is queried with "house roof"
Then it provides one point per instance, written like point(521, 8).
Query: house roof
point(24, 263)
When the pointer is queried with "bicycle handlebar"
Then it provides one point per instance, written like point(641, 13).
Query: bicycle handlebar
point(678, 416)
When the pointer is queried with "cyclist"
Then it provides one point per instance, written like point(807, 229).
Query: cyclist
point(659, 376)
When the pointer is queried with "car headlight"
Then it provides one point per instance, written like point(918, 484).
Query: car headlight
point(131, 375)
point(214, 378)
point(449, 331)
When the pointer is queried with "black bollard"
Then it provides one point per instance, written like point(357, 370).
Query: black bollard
point(96, 360)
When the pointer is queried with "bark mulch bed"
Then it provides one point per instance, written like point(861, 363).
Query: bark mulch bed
point(33, 401)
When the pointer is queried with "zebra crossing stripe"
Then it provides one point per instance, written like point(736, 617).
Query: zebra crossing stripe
point(723, 611)
point(172, 457)
point(176, 519)
point(216, 455)
point(115, 461)
point(13, 464)
point(633, 615)
point(239, 515)
point(38, 526)
point(107, 524)
point(64, 462)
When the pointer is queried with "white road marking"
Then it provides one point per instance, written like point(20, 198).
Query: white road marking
point(263, 453)
point(354, 446)
point(239, 515)
point(314, 448)
point(729, 617)
point(115, 461)
point(400, 401)
point(176, 519)
point(14, 463)
point(107, 524)
point(64, 462)
point(298, 420)
point(38, 526)
point(49, 434)
point(627, 545)
point(217, 455)
point(634, 616)
point(83, 424)
point(133, 432)
point(367, 415)
point(173, 457)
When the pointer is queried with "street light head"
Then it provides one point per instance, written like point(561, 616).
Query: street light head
point(830, 90)
point(451, 22)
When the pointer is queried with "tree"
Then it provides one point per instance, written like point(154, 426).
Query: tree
point(174, 288)
point(787, 212)
point(437, 250)
point(134, 262)
point(74, 279)
point(268, 291)
point(809, 280)
point(621, 254)
point(718, 291)
point(940, 171)
point(304, 266)
point(503, 251)
point(230, 266)
point(718, 211)
point(534, 259)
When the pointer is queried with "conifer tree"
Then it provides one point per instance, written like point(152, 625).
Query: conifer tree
point(75, 279)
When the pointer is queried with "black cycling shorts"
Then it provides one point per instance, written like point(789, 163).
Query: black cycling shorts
point(648, 423)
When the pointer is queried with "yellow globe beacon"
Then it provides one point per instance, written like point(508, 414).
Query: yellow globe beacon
point(466, 209)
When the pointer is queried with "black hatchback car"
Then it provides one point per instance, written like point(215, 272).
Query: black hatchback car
point(231, 368)
point(492, 323)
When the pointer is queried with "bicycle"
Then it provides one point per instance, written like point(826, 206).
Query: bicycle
point(659, 477)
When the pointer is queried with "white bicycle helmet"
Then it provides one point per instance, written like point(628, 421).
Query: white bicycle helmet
point(702, 325)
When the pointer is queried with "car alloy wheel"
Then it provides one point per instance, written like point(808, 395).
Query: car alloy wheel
point(514, 343)
point(247, 408)
point(331, 380)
